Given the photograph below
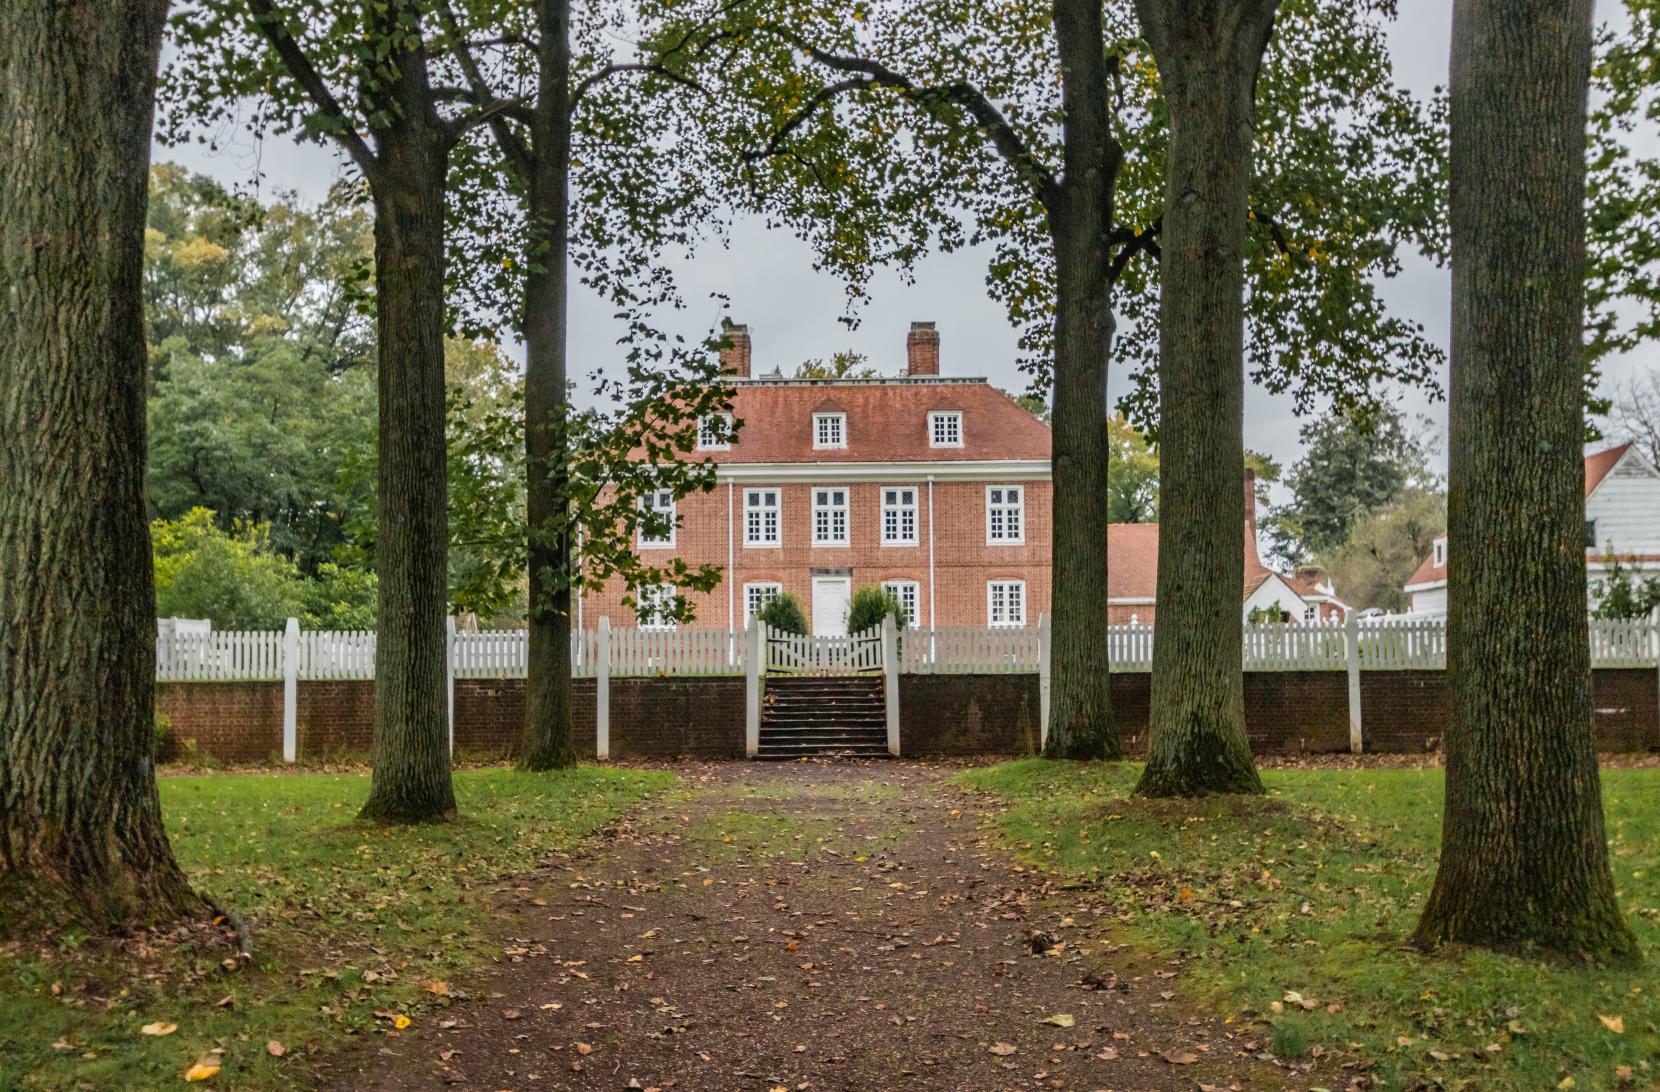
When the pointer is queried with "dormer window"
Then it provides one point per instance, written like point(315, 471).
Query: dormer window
point(1440, 553)
point(829, 430)
point(945, 428)
point(714, 433)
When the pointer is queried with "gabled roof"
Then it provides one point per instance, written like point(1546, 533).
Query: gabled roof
point(1597, 466)
point(1133, 566)
point(887, 421)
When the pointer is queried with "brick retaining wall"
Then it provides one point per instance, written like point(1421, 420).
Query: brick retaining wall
point(1287, 712)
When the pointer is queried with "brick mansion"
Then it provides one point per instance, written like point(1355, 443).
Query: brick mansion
point(934, 487)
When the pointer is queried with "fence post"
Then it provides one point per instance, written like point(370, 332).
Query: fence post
point(754, 664)
point(602, 689)
point(1351, 642)
point(890, 670)
point(1654, 623)
point(1043, 681)
point(449, 677)
point(291, 691)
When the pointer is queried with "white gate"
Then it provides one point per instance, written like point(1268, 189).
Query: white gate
point(796, 654)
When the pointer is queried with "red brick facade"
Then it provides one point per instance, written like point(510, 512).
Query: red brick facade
point(945, 441)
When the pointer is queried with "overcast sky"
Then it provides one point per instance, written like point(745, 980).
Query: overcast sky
point(793, 313)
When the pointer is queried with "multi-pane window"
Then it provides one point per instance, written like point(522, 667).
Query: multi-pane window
point(830, 516)
point(654, 606)
point(657, 518)
point(1006, 603)
point(1005, 514)
point(945, 428)
point(761, 523)
point(899, 515)
point(714, 433)
point(757, 596)
point(908, 592)
point(829, 430)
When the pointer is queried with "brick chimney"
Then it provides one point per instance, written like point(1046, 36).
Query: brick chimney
point(734, 350)
point(922, 350)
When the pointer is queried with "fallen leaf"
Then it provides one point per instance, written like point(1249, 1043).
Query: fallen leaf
point(1059, 1020)
point(401, 1021)
point(1179, 1057)
point(161, 1027)
point(205, 1068)
point(274, 1048)
point(441, 989)
point(1615, 1024)
point(584, 1048)
point(1003, 1050)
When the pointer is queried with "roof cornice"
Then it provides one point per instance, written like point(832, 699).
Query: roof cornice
point(954, 470)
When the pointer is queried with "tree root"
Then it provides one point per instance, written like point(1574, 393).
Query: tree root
point(244, 935)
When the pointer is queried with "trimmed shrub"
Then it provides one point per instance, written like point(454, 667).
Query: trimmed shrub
point(783, 612)
point(870, 605)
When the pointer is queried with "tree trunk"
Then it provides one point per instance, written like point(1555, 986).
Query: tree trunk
point(411, 781)
point(1208, 56)
point(1080, 218)
point(548, 742)
point(1524, 852)
point(81, 835)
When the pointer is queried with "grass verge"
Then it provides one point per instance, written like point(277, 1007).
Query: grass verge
point(1294, 910)
point(350, 921)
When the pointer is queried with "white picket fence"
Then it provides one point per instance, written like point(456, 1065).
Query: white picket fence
point(803, 654)
point(1403, 643)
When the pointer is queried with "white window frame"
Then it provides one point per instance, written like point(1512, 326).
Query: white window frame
point(1439, 552)
point(777, 510)
point(823, 422)
point(1015, 619)
point(647, 613)
point(706, 440)
point(939, 418)
point(1006, 509)
point(912, 602)
point(845, 508)
point(771, 589)
point(650, 501)
point(898, 509)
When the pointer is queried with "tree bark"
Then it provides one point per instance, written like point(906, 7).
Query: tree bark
point(1208, 54)
point(1524, 853)
point(548, 735)
point(1080, 218)
point(81, 834)
point(411, 781)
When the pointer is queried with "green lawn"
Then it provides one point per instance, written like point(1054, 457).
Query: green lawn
point(349, 920)
point(1294, 911)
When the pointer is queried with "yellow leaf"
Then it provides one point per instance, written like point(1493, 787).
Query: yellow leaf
point(163, 1028)
point(400, 1021)
point(1615, 1024)
point(204, 1069)
point(441, 989)
point(1059, 1020)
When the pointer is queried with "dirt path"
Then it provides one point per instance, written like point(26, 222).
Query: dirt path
point(810, 926)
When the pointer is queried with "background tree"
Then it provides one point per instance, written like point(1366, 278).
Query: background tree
point(1352, 465)
point(1040, 132)
point(1636, 414)
point(845, 364)
point(574, 96)
point(1132, 474)
point(362, 75)
point(1384, 546)
point(81, 835)
point(1524, 853)
point(783, 612)
point(1208, 56)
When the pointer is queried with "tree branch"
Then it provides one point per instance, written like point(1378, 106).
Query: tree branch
point(656, 67)
point(518, 153)
point(299, 66)
point(1131, 243)
point(961, 94)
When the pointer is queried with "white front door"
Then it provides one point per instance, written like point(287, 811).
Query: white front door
point(831, 596)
